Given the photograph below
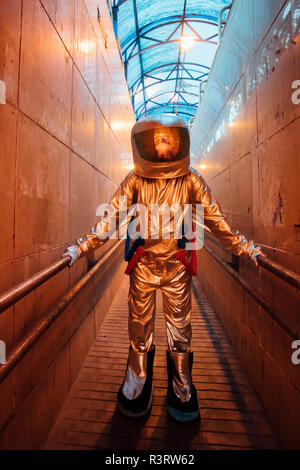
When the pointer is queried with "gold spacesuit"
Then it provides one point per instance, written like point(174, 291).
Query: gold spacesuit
point(161, 176)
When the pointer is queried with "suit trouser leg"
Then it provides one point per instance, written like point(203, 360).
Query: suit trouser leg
point(141, 303)
point(137, 384)
point(177, 309)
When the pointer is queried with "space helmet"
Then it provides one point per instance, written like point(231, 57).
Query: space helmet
point(161, 147)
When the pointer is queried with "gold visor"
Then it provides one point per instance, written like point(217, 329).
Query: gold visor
point(164, 144)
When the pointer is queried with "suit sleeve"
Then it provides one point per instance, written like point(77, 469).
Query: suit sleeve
point(110, 222)
point(216, 221)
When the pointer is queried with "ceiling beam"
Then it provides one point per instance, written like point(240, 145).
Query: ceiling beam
point(118, 3)
point(170, 64)
point(139, 48)
point(179, 105)
point(166, 93)
point(161, 43)
point(167, 21)
point(179, 52)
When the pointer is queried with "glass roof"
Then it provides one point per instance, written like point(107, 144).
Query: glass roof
point(163, 77)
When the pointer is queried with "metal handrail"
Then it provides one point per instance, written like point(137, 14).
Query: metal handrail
point(24, 288)
point(16, 293)
point(44, 324)
point(21, 290)
point(277, 317)
point(284, 273)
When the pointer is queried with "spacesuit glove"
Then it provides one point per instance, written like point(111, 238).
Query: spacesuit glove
point(74, 252)
point(252, 252)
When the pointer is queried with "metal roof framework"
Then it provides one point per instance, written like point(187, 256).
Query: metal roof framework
point(161, 76)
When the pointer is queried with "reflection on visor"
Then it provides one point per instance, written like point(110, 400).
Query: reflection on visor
point(165, 144)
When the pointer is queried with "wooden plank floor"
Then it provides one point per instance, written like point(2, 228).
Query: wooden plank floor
point(231, 415)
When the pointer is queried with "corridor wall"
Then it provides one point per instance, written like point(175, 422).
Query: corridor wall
point(65, 116)
point(245, 142)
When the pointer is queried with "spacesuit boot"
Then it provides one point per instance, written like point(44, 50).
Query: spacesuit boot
point(183, 404)
point(136, 393)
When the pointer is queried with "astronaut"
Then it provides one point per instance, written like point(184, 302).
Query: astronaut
point(162, 175)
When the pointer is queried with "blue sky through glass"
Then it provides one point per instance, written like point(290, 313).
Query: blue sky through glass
point(161, 76)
